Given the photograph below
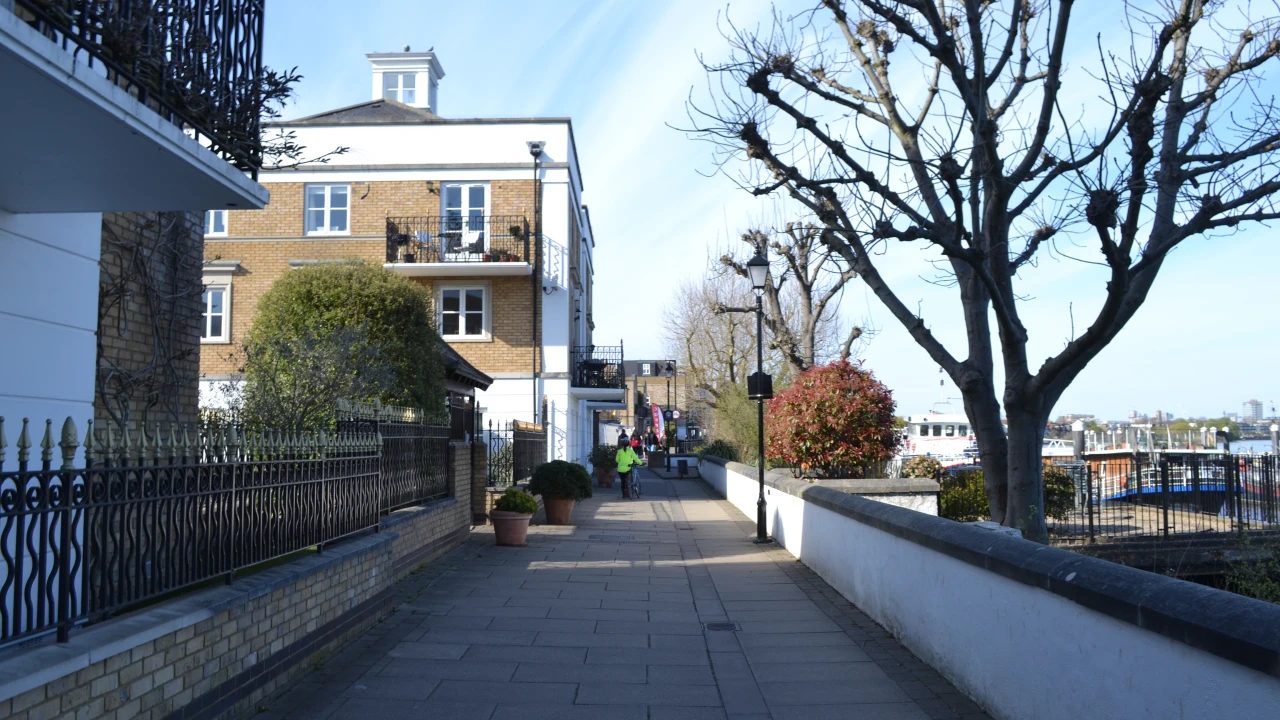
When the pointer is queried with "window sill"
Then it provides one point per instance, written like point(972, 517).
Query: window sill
point(343, 233)
point(215, 341)
point(467, 338)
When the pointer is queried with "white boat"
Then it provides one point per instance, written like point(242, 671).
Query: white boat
point(946, 437)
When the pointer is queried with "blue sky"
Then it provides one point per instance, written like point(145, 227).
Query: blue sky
point(1205, 341)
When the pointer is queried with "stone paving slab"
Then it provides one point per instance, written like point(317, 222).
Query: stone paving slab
point(605, 620)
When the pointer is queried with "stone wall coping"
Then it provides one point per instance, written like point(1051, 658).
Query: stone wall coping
point(857, 486)
point(30, 668)
point(1236, 628)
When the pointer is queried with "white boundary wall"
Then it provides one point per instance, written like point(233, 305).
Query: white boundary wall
point(1019, 650)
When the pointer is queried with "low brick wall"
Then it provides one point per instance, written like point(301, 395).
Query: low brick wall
point(220, 651)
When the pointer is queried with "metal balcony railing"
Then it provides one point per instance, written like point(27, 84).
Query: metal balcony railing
point(196, 63)
point(596, 366)
point(445, 238)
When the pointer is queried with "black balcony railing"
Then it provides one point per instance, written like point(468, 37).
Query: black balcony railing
point(596, 366)
point(443, 239)
point(196, 63)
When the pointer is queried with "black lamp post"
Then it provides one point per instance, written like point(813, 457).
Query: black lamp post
point(759, 385)
point(535, 149)
point(668, 372)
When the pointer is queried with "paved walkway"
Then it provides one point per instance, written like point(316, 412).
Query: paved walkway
point(613, 618)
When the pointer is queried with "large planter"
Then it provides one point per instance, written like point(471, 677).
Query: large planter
point(510, 528)
point(559, 510)
point(604, 476)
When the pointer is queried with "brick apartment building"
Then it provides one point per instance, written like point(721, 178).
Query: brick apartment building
point(499, 236)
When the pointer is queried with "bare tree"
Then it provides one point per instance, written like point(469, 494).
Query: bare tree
point(967, 143)
point(796, 312)
point(714, 350)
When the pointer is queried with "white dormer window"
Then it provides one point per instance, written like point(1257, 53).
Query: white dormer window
point(399, 87)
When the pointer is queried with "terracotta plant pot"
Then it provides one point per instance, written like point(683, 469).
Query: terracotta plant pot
point(559, 510)
point(604, 476)
point(510, 528)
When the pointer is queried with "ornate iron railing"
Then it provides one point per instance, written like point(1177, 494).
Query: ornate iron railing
point(443, 239)
point(516, 449)
point(597, 366)
point(196, 63)
point(415, 450)
point(145, 515)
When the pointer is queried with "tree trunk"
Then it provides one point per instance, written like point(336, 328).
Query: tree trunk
point(1025, 510)
point(993, 450)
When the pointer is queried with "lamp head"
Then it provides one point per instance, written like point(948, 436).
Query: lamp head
point(535, 147)
point(758, 271)
point(669, 370)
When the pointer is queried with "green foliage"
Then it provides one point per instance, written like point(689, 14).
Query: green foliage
point(962, 497)
point(835, 418)
point(735, 421)
point(604, 456)
point(501, 465)
point(921, 466)
point(720, 449)
point(516, 500)
point(1059, 492)
point(1257, 573)
point(561, 479)
point(351, 320)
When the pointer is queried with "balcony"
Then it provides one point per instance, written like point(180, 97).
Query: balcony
point(598, 367)
point(130, 106)
point(456, 246)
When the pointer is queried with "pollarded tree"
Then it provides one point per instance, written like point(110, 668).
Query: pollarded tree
point(971, 142)
point(836, 419)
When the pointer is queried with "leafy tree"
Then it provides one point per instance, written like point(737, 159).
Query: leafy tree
point(956, 127)
point(341, 331)
point(836, 418)
point(922, 466)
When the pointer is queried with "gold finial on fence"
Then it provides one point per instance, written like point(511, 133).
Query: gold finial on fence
point(3, 442)
point(233, 444)
point(69, 444)
point(157, 445)
point(111, 443)
point(186, 442)
point(46, 443)
point(24, 443)
point(126, 446)
point(173, 440)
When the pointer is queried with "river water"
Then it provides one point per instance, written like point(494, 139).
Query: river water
point(1251, 446)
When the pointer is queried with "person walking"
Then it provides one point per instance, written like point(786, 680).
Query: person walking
point(627, 465)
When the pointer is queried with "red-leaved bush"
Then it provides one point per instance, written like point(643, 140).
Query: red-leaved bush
point(836, 418)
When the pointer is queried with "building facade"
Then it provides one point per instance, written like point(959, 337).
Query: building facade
point(1251, 412)
point(106, 173)
point(487, 214)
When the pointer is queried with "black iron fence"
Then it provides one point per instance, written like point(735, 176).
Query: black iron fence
point(1159, 495)
point(596, 366)
point(455, 238)
point(516, 449)
point(415, 450)
point(198, 64)
point(143, 515)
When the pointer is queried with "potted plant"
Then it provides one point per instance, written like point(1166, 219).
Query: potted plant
point(604, 463)
point(561, 484)
point(511, 515)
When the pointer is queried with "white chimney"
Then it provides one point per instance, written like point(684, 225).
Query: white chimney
point(408, 77)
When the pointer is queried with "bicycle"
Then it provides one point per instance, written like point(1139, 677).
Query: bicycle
point(635, 482)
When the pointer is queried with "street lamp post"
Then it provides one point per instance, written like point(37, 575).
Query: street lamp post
point(759, 385)
point(668, 372)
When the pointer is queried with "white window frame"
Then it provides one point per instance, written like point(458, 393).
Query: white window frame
point(328, 208)
point(225, 337)
point(217, 276)
point(399, 88)
point(208, 223)
point(486, 333)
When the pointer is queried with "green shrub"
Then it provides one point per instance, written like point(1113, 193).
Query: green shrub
point(921, 466)
point(1059, 492)
point(604, 456)
point(560, 479)
point(362, 320)
point(721, 449)
point(962, 497)
point(516, 500)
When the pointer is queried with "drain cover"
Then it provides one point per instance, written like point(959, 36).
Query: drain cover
point(610, 538)
point(722, 627)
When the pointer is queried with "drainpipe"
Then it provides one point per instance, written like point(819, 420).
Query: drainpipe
point(535, 149)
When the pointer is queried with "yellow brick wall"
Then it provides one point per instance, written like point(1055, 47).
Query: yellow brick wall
point(264, 241)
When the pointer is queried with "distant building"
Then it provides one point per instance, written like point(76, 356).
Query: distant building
point(1251, 412)
point(1072, 417)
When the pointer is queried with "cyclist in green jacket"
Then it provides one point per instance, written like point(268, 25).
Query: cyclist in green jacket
point(627, 461)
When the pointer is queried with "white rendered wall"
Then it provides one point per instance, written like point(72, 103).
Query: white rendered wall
point(1017, 650)
point(48, 318)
